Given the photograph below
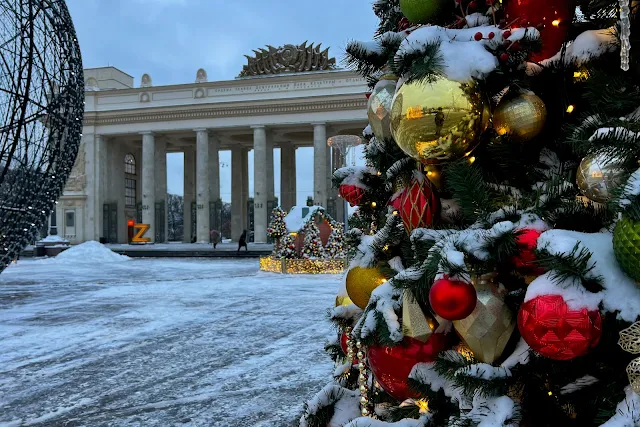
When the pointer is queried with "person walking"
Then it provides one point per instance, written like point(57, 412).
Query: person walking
point(243, 241)
point(215, 237)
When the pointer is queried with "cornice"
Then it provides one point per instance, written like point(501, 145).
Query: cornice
point(181, 113)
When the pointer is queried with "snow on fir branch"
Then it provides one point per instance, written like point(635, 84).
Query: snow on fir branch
point(382, 308)
point(619, 294)
point(493, 411)
point(333, 406)
point(520, 356)
point(460, 57)
point(631, 191)
point(370, 422)
point(579, 384)
point(354, 175)
point(627, 411)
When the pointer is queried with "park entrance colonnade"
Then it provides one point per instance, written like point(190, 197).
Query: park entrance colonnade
point(121, 170)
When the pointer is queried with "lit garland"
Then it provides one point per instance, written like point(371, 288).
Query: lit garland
point(302, 266)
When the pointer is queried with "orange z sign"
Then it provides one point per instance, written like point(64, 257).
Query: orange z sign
point(141, 229)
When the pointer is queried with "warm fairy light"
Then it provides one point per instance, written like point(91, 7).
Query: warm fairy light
point(579, 75)
point(465, 352)
point(386, 248)
point(379, 173)
point(293, 234)
point(395, 212)
point(423, 405)
point(472, 159)
point(570, 109)
point(302, 266)
point(374, 204)
point(430, 173)
point(550, 394)
point(556, 23)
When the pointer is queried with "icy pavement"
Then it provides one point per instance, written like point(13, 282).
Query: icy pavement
point(160, 343)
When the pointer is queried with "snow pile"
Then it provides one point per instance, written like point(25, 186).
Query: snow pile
point(54, 239)
point(620, 291)
point(346, 405)
point(493, 411)
point(463, 57)
point(370, 422)
point(89, 253)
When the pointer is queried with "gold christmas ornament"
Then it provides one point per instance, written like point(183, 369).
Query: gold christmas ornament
point(414, 322)
point(361, 282)
point(343, 300)
point(599, 174)
point(437, 122)
point(630, 342)
point(487, 330)
point(379, 106)
point(522, 116)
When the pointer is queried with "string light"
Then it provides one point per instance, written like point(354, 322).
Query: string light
point(550, 393)
point(472, 159)
point(395, 212)
point(374, 204)
point(556, 23)
point(302, 266)
point(570, 109)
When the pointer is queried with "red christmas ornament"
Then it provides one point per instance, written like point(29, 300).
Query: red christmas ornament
point(392, 365)
point(452, 299)
point(527, 242)
point(554, 16)
point(403, 24)
point(419, 205)
point(351, 194)
point(368, 95)
point(550, 328)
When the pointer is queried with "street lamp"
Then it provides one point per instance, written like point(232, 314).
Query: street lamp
point(343, 144)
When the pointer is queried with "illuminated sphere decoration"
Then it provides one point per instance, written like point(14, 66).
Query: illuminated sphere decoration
point(42, 106)
point(598, 175)
point(379, 107)
point(361, 282)
point(437, 122)
point(522, 116)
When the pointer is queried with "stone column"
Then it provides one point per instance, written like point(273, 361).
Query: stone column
point(188, 193)
point(202, 184)
point(271, 191)
point(287, 176)
point(320, 164)
point(214, 168)
point(161, 182)
point(245, 188)
point(237, 222)
point(148, 183)
point(96, 167)
point(260, 183)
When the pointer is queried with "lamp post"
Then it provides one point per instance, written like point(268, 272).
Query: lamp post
point(343, 143)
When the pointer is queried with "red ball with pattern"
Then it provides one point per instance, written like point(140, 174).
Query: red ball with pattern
point(552, 329)
point(552, 18)
point(419, 205)
point(392, 365)
point(351, 194)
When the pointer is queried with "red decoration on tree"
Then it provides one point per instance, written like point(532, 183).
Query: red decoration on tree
point(343, 345)
point(392, 365)
point(553, 330)
point(554, 15)
point(403, 24)
point(368, 95)
point(351, 194)
point(452, 299)
point(527, 242)
point(419, 205)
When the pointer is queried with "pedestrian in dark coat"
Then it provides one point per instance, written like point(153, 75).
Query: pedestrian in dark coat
point(215, 237)
point(243, 241)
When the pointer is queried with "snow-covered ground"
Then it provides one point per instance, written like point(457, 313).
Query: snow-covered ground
point(159, 342)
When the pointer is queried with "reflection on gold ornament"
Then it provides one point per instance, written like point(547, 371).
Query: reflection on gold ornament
point(437, 122)
point(599, 174)
point(343, 300)
point(379, 106)
point(414, 323)
point(522, 116)
point(361, 282)
point(486, 331)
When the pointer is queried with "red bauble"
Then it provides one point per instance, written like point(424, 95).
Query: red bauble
point(396, 201)
point(351, 194)
point(452, 299)
point(553, 330)
point(553, 16)
point(527, 242)
point(419, 205)
point(392, 365)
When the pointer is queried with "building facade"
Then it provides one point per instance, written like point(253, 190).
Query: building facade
point(120, 172)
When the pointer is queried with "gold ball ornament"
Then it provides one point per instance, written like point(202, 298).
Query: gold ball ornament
point(437, 122)
point(522, 116)
point(361, 282)
point(598, 175)
point(379, 106)
point(343, 300)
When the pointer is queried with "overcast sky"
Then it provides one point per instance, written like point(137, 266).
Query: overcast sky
point(172, 39)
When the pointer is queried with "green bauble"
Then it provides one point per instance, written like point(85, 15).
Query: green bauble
point(424, 11)
point(626, 246)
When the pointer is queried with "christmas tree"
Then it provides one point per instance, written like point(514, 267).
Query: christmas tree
point(312, 247)
point(335, 245)
point(495, 260)
point(277, 228)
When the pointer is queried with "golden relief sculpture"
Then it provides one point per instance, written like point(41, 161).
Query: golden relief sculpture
point(288, 59)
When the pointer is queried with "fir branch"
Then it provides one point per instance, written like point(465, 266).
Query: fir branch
point(502, 247)
point(423, 64)
point(575, 265)
point(467, 185)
